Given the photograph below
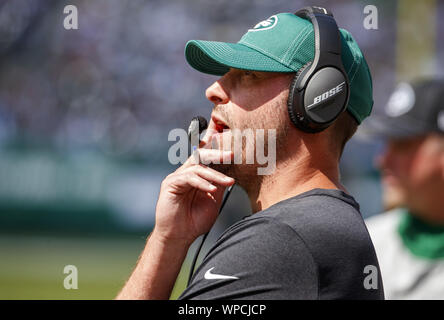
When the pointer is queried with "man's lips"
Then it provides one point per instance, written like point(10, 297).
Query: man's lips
point(217, 127)
point(218, 124)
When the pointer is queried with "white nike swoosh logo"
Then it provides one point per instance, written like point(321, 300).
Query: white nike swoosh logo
point(212, 276)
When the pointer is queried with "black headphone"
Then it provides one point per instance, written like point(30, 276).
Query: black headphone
point(320, 90)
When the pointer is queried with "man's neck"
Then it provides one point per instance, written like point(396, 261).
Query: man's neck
point(291, 179)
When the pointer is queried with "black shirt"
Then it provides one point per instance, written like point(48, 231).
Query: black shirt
point(312, 246)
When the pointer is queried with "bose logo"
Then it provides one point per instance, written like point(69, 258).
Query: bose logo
point(326, 95)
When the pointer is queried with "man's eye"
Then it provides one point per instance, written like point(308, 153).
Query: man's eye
point(249, 73)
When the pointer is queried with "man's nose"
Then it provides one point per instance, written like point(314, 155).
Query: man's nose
point(216, 94)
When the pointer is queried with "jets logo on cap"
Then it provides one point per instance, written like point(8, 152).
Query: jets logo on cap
point(266, 24)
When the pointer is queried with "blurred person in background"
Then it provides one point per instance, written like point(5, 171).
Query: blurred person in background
point(306, 238)
point(409, 237)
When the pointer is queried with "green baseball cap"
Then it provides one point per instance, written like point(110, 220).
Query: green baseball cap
point(283, 43)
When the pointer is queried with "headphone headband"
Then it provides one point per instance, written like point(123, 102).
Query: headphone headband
point(319, 92)
point(309, 10)
point(327, 47)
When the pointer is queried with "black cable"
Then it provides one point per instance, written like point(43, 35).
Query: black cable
point(196, 255)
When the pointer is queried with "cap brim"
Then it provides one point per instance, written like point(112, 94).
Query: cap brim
point(388, 128)
point(216, 58)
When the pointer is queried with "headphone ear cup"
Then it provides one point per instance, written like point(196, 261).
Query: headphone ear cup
point(295, 110)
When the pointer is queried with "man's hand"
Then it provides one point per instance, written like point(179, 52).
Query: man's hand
point(190, 198)
point(187, 207)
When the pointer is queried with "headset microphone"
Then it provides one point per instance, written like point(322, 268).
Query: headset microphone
point(199, 121)
point(197, 126)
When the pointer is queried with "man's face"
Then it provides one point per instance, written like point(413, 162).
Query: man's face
point(413, 171)
point(247, 100)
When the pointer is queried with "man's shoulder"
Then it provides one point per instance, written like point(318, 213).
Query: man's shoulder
point(326, 213)
point(267, 226)
point(328, 230)
point(327, 222)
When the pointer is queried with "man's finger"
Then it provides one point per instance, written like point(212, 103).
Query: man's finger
point(184, 182)
point(212, 175)
point(207, 156)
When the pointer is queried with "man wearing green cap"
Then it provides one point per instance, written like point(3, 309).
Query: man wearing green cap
point(306, 238)
point(409, 237)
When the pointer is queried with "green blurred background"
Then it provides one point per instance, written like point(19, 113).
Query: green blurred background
point(85, 116)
